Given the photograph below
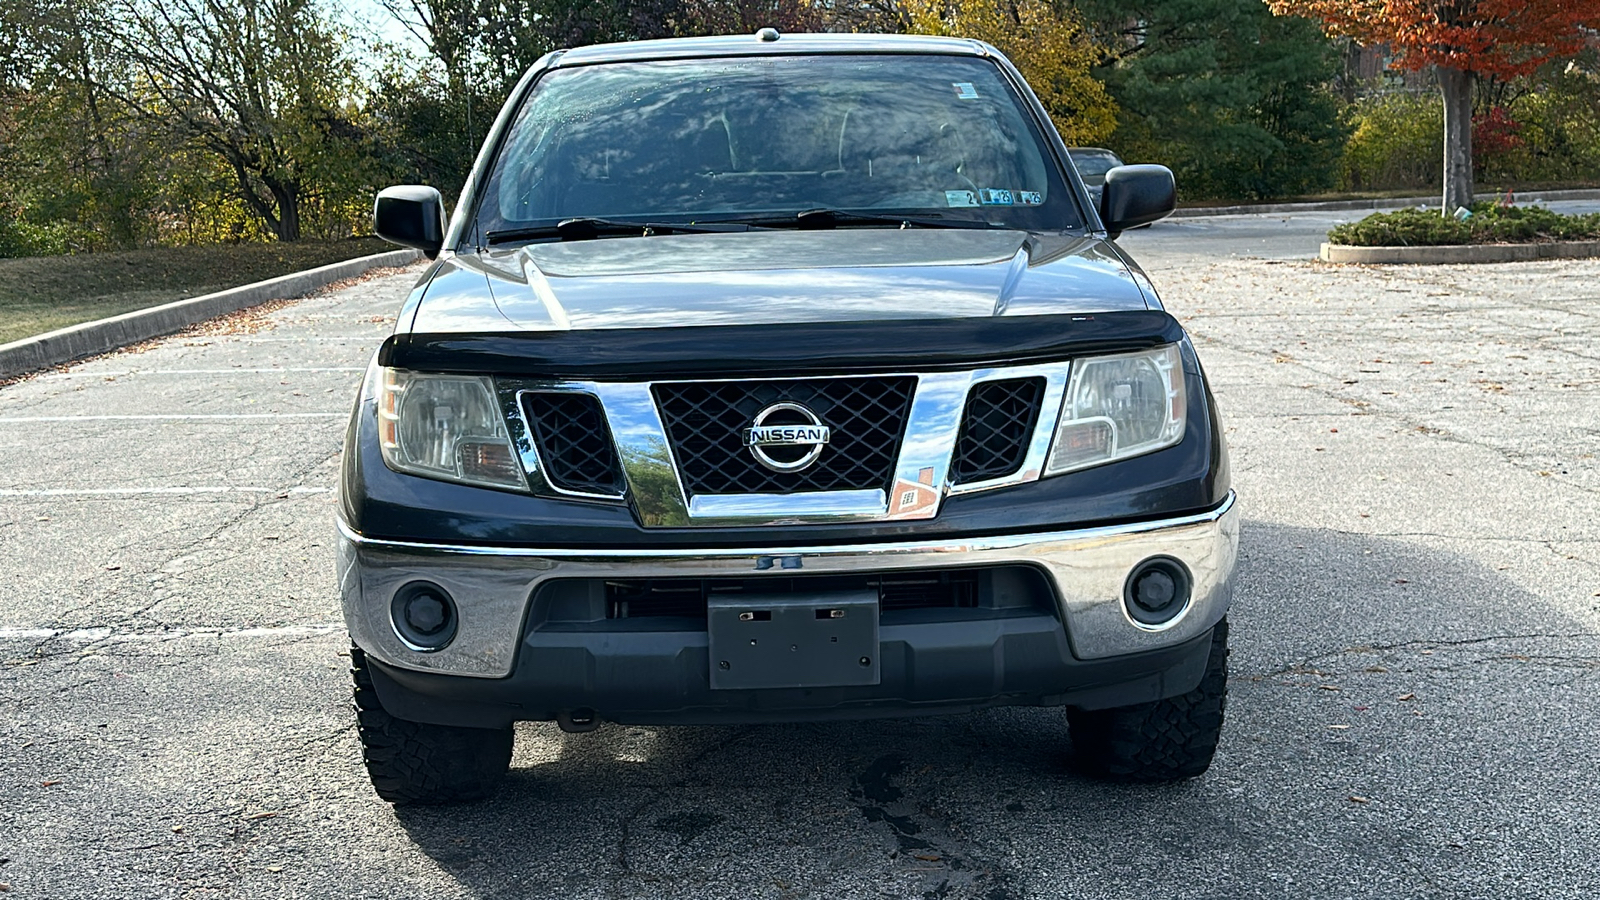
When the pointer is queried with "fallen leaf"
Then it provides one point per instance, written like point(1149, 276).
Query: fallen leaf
point(177, 829)
point(4, 887)
point(51, 783)
point(274, 868)
point(1328, 687)
point(1357, 798)
point(1404, 697)
point(1338, 727)
point(261, 815)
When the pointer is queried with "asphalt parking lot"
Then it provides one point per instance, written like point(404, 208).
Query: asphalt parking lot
point(1413, 707)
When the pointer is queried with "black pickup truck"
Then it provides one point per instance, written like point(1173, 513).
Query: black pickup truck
point(778, 378)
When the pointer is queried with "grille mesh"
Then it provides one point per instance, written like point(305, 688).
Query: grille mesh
point(574, 443)
point(682, 597)
point(706, 421)
point(995, 429)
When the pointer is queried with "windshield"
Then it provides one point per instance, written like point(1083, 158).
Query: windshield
point(722, 140)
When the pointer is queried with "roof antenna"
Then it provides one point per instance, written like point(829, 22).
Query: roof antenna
point(767, 35)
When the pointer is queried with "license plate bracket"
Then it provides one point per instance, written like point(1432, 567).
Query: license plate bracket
point(827, 639)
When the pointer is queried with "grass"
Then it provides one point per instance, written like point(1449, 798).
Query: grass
point(1489, 224)
point(43, 293)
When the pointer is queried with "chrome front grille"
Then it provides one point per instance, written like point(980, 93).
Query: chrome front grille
point(706, 422)
point(864, 448)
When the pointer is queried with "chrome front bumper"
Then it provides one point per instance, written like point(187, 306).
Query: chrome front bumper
point(494, 585)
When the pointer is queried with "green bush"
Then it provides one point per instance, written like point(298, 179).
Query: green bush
point(1397, 141)
point(1559, 125)
point(21, 238)
point(1490, 224)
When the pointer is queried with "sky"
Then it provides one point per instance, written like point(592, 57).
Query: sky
point(370, 23)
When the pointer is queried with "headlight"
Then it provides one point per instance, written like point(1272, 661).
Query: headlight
point(1119, 406)
point(447, 427)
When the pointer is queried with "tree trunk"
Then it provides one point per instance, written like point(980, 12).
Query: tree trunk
point(287, 195)
point(1456, 85)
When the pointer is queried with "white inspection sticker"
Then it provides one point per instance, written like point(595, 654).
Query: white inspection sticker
point(965, 90)
point(960, 198)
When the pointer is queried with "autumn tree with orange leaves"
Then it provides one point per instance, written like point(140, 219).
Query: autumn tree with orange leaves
point(1461, 39)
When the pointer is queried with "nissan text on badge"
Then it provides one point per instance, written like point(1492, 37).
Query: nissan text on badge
point(781, 378)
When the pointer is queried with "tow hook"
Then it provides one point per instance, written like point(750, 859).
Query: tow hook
point(577, 721)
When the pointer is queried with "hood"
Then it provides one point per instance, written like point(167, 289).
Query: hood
point(775, 277)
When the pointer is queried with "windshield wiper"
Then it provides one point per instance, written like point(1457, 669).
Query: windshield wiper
point(589, 227)
point(824, 217)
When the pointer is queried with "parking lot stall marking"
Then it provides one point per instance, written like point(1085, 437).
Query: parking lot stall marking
point(287, 370)
point(110, 635)
point(159, 417)
point(146, 491)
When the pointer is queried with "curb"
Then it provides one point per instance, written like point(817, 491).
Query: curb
point(1464, 253)
point(1377, 203)
point(90, 338)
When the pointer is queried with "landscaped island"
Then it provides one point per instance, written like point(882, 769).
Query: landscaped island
point(1490, 223)
point(1493, 233)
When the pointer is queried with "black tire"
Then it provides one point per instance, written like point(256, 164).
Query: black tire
point(412, 763)
point(1168, 740)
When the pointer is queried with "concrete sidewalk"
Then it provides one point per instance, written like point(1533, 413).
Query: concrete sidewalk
point(89, 338)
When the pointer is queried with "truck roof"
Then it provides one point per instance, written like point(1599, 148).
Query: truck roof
point(784, 45)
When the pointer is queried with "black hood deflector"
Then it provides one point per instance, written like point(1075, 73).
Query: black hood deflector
point(822, 348)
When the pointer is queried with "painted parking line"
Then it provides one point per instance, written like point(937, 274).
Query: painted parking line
point(111, 635)
point(157, 491)
point(324, 339)
point(170, 417)
point(286, 370)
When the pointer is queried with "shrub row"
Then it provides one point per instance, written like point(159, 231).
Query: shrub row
point(1489, 224)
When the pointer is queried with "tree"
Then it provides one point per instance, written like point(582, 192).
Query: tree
point(1462, 40)
point(75, 165)
point(1051, 48)
point(1236, 101)
point(261, 84)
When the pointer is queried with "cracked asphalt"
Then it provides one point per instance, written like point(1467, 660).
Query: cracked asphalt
point(1413, 703)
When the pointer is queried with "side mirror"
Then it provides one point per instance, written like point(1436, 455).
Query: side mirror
point(1136, 195)
point(411, 215)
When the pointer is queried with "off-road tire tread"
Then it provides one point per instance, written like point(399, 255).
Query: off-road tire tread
point(412, 763)
point(1168, 740)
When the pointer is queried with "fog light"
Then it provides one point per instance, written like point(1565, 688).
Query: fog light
point(1157, 591)
point(424, 616)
